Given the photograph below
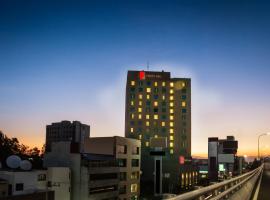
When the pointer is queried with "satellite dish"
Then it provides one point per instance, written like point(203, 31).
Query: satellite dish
point(13, 161)
point(25, 165)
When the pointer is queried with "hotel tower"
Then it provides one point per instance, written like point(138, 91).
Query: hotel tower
point(158, 112)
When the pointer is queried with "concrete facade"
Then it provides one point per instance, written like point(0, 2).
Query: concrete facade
point(75, 132)
point(127, 154)
point(38, 181)
point(81, 166)
point(222, 157)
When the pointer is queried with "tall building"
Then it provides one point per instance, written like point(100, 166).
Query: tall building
point(158, 112)
point(76, 132)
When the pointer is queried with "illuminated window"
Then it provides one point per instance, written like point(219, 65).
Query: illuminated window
point(147, 116)
point(156, 136)
point(147, 96)
point(171, 91)
point(171, 84)
point(134, 187)
point(171, 117)
point(183, 84)
point(147, 144)
point(140, 116)
point(147, 123)
point(171, 151)
point(155, 116)
point(171, 124)
point(162, 123)
point(140, 103)
point(163, 84)
point(131, 130)
point(148, 90)
point(155, 103)
point(155, 84)
point(183, 104)
point(139, 109)
point(171, 144)
point(171, 98)
point(171, 130)
point(163, 97)
point(140, 137)
point(132, 83)
point(140, 96)
point(132, 103)
point(171, 104)
point(171, 111)
point(132, 116)
point(171, 137)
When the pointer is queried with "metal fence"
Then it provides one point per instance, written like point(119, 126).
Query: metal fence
point(220, 190)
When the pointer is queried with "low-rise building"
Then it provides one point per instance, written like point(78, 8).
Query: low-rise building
point(35, 184)
point(221, 157)
point(127, 153)
point(84, 184)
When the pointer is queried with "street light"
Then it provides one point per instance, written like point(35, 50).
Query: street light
point(259, 142)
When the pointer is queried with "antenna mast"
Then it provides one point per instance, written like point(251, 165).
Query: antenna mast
point(147, 65)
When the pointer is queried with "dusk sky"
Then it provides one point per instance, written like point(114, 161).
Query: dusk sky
point(67, 60)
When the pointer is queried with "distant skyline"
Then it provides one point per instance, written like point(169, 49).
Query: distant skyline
point(68, 61)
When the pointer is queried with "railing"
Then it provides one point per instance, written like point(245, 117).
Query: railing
point(220, 190)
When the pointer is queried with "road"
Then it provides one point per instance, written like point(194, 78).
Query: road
point(264, 192)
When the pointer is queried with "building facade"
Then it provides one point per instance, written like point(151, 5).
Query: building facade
point(222, 157)
point(50, 184)
point(127, 154)
point(159, 107)
point(94, 176)
point(75, 131)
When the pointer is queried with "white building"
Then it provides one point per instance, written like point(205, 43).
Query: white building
point(28, 182)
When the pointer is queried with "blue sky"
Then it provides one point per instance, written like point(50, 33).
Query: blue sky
point(68, 60)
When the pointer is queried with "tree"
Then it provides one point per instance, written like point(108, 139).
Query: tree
point(11, 146)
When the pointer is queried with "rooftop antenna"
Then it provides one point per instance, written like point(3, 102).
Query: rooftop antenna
point(147, 65)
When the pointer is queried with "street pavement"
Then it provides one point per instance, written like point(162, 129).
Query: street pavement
point(264, 192)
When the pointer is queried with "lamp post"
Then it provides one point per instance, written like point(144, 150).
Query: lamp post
point(259, 142)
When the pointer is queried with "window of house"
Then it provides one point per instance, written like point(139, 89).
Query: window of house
point(122, 162)
point(121, 149)
point(135, 175)
point(134, 187)
point(123, 176)
point(135, 150)
point(19, 186)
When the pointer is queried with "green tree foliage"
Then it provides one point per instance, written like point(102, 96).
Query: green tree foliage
point(11, 146)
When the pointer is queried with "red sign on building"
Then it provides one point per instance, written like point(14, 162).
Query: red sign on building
point(142, 75)
point(181, 160)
